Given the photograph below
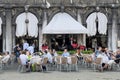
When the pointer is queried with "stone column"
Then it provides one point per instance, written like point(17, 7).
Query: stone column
point(13, 35)
point(40, 37)
point(84, 39)
point(44, 24)
point(8, 31)
point(114, 30)
point(4, 37)
point(81, 37)
point(109, 37)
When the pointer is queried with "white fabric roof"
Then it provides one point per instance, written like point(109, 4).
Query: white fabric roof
point(63, 23)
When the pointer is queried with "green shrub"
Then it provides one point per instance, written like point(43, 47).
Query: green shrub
point(71, 52)
point(87, 52)
point(74, 51)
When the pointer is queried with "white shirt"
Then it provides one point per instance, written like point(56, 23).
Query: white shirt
point(49, 56)
point(6, 58)
point(23, 59)
point(25, 46)
point(104, 57)
point(31, 49)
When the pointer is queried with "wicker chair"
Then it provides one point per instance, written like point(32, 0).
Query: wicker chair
point(88, 61)
point(97, 63)
point(58, 62)
point(74, 63)
point(64, 63)
point(21, 68)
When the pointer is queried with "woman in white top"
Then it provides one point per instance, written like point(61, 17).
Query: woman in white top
point(104, 60)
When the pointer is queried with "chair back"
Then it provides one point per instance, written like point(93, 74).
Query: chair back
point(63, 60)
point(58, 59)
point(74, 60)
point(98, 60)
point(88, 59)
point(19, 61)
point(45, 60)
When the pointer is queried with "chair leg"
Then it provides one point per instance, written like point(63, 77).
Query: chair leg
point(19, 68)
point(23, 68)
point(94, 66)
point(60, 67)
point(76, 67)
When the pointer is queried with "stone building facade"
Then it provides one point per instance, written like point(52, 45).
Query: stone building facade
point(10, 9)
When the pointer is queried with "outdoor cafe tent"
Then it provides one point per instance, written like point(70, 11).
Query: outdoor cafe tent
point(63, 23)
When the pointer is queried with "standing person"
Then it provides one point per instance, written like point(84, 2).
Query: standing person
point(31, 49)
point(25, 45)
point(17, 51)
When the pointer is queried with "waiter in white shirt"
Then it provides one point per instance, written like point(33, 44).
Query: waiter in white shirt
point(25, 45)
point(31, 49)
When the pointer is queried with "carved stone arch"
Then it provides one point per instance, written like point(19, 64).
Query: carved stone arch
point(37, 13)
point(72, 12)
point(17, 13)
point(89, 12)
point(3, 18)
point(52, 15)
point(15, 17)
point(94, 10)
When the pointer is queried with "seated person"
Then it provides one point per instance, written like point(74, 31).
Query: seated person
point(29, 56)
point(6, 57)
point(66, 53)
point(23, 58)
point(79, 54)
point(54, 53)
point(48, 54)
point(104, 60)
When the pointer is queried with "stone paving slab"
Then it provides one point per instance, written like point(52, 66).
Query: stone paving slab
point(56, 75)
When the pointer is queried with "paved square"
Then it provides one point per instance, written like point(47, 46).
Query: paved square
point(56, 75)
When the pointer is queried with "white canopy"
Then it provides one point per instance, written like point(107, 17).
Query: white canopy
point(63, 23)
point(21, 26)
point(31, 27)
point(0, 26)
point(91, 23)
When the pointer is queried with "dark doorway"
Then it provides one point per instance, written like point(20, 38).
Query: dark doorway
point(30, 40)
point(1, 43)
